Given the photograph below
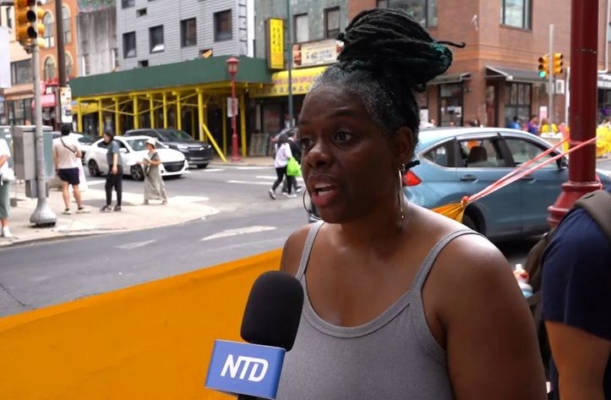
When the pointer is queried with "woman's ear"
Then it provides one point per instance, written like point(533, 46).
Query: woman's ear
point(402, 146)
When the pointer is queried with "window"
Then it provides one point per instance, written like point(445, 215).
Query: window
point(21, 72)
point(85, 66)
point(517, 102)
point(129, 45)
point(143, 63)
point(482, 153)
point(188, 32)
point(9, 19)
point(127, 3)
point(141, 12)
point(442, 155)
point(67, 25)
point(302, 29)
point(49, 69)
point(516, 13)
point(451, 101)
point(423, 11)
point(332, 17)
point(223, 26)
point(47, 21)
point(524, 150)
point(68, 65)
point(156, 39)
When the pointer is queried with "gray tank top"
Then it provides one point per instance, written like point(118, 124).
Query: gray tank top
point(394, 356)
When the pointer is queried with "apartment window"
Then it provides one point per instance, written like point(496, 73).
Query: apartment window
point(156, 39)
point(302, 29)
point(21, 72)
point(188, 32)
point(128, 3)
point(9, 19)
point(47, 21)
point(223, 27)
point(129, 45)
point(332, 22)
point(143, 63)
point(49, 69)
point(115, 57)
point(85, 67)
point(141, 12)
point(68, 65)
point(423, 11)
point(67, 25)
point(516, 13)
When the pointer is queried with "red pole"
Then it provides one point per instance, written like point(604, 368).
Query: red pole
point(234, 137)
point(582, 118)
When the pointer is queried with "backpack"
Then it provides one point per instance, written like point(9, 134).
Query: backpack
point(598, 205)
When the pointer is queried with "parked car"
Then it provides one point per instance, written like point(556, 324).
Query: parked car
point(198, 154)
point(458, 162)
point(133, 149)
point(85, 141)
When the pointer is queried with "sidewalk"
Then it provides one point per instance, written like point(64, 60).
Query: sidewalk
point(133, 216)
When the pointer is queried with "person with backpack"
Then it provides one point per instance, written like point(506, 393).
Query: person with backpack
point(571, 274)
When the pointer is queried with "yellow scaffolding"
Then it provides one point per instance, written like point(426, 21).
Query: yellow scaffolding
point(146, 104)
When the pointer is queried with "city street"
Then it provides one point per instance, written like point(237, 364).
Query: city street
point(46, 273)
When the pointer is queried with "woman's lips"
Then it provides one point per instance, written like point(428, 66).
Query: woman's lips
point(323, 194)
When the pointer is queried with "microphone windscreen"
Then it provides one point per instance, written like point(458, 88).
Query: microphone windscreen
point(273, 310)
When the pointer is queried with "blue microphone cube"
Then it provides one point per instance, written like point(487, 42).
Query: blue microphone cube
point(242, 368)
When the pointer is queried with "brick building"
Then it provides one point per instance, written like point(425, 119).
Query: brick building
point(495, 76)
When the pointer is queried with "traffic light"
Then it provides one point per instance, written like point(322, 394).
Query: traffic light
point(30, 28)
point(558, 64)
point(543, 66)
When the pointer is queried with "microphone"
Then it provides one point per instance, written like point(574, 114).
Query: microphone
point(269, 325)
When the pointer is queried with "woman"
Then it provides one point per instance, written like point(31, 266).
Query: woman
point(401, 302)
point(6, 176)
point(281, 160)
point(154, 188)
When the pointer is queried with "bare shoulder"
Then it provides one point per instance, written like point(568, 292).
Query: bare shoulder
point(293, 247)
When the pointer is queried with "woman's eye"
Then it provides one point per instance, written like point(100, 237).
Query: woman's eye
point(305, 143)
point(343, 136)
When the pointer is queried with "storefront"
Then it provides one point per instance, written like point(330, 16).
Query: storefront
point(447, 91)
point(19, 111)
point(604, 96)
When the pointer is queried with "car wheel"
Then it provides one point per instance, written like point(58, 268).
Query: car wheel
point(94, 170)
point(202, 166)
point(469, 223)
point(137, 173)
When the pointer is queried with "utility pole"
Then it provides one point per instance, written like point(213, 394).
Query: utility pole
point(289, 49)
point(550, 79)
point(61, 60)
point(583, 84)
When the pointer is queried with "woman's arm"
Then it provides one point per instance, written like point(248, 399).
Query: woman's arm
point(491, 342)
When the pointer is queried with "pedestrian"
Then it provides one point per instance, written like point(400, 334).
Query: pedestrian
point(114, 179)
point(576, 307)
point(401, 302)
point(67, 158)
point(6, 177)
point(154, 187)
point(281, 159)
point(296, 152)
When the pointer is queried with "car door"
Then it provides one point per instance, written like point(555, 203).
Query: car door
point(99, 151)
point(482, 162)
point(124, 156)
point(539, 189)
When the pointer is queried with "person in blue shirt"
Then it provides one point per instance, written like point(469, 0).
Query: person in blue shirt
point(576, 289)
point(515, 123)
point(533, 125)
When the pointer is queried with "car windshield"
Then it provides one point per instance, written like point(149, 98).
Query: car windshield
point(178, 136)
point(140, 144)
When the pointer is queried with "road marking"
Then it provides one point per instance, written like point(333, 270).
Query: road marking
point(273, 178)
point(213, 170)
point(135, 245)
point(253, 168)
point(250, 183)
point(240, 231)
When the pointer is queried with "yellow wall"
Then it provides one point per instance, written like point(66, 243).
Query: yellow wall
point(147, 342)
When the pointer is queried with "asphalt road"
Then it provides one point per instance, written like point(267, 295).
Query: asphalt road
point(43, 274)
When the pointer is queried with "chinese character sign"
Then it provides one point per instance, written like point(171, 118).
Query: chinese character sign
point(275, 40)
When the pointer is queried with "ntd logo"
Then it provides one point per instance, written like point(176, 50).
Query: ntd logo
point(257, 372)
point(242, 368)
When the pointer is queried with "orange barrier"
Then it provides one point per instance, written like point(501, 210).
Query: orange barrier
point(147, 342)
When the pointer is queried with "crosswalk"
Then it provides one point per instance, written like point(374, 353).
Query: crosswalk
point(264, 180)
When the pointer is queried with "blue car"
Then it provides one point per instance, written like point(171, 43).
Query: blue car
point(458, 162)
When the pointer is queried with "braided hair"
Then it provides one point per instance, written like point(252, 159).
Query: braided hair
point(387, 58)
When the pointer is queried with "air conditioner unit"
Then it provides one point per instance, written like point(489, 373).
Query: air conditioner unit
point(560, 86)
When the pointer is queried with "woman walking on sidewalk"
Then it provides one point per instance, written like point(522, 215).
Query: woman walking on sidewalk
point(6, 176)
point(154, 188)
point(281, 159)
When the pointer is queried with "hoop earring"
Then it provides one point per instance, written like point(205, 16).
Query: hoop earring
point(401, 171)
point(306, 207)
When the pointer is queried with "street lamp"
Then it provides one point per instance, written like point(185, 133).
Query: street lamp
point(232, 68)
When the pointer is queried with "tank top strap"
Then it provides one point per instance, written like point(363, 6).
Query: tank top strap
point(307, 248)
point(430, 259)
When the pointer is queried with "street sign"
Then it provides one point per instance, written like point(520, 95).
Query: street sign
point(65, 95)
point(231, 106)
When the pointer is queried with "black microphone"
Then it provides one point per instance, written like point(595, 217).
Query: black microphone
point(270, 324)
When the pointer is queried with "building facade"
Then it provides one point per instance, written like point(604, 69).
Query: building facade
point(156, 32)
point(97, 46)
point(315, 25)
point(16, 101)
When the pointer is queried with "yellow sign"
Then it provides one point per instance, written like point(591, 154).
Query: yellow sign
point(302, 82)
point(275, 43)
